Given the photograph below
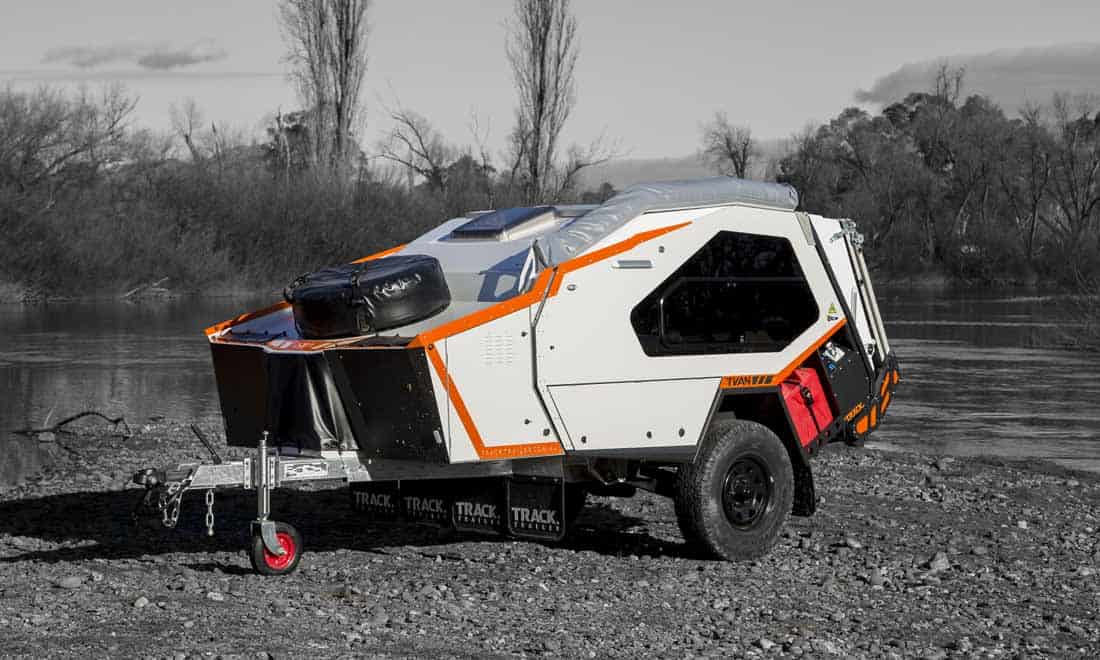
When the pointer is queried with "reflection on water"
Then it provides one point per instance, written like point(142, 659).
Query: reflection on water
point(979, 373)
point(981, 376)
point(141, 360)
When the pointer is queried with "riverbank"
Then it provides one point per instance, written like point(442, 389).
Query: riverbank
point(909, 556)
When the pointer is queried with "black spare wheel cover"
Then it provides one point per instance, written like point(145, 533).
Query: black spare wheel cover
point(358, 299)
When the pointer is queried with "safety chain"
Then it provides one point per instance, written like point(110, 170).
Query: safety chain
point(210, 512)
point(169, 501)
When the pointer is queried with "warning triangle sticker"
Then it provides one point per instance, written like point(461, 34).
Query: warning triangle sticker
point(833, 314)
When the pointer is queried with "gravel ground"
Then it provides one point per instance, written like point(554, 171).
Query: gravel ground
point(908, 556)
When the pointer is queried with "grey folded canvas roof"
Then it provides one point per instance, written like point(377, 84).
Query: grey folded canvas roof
point(577, 235)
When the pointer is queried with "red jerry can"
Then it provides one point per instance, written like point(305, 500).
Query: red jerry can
point(806, 404)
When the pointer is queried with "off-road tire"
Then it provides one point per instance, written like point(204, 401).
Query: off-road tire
point(729, 450)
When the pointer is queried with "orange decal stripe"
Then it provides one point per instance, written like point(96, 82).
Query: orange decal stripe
point(483, 452)
point(608, 252)
point(483, 316)
point(861, 425)
point(218, 327)
point(885, 402)
point(384, 253)
point(506, 307)
point(740, 382)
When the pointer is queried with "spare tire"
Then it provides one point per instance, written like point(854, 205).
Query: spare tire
point(367, 297)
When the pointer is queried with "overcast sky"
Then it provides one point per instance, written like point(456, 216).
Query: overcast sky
point(648, 73)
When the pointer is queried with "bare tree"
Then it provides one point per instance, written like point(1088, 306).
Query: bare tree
point(48, 138)
point(414, 144)
point(1075, 184)
point(542, 51)
point(1025, 174)
point(327, 50)
point(727, 149)
point(186, 119)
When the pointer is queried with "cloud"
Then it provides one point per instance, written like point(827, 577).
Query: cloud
point(158, 57)
point(1010, 77)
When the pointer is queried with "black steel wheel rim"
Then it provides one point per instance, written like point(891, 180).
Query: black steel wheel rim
point(746, 492)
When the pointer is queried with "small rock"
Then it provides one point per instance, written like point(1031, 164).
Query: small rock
point(97, 576)
point(721, 603)
point(939, 563)
point(70, 582)
point(1073, 483)
point(379, 618)
point(876, 578)
point(765, 644)
point(1085, 571)
point(1022, 524)
point(979, 550)
point(853, 543)
point(141, 602)
point(215, 596)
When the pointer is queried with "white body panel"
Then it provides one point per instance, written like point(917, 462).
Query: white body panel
point(637, 415)
point(491, 367)
point(589, 327)
point(585, 336)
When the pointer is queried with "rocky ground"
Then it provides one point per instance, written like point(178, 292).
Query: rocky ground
point(908, 556)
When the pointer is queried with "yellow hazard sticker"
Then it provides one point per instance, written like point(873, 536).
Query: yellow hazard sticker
point(832, 314)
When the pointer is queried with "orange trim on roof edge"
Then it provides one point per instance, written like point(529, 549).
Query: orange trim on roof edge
point(225, 325)
point(535, 294)
point(378, 255)
point(528, 450)
point(763, 380)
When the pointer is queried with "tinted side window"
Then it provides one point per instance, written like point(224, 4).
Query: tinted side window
point(740, 293)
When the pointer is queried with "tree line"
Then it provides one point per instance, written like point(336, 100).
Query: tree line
point(949, 185)
point(88, 203)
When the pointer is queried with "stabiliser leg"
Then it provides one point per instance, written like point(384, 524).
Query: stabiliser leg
point(262, 524)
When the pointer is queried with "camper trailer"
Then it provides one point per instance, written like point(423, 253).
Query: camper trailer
point(699, 339)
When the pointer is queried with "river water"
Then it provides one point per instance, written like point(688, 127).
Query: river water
point(979, 375)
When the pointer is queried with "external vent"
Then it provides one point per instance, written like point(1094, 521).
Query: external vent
point(507, 224)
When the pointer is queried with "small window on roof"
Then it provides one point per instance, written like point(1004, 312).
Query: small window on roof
point(503, 224)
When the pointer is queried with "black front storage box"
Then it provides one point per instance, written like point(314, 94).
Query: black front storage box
point(361, 298)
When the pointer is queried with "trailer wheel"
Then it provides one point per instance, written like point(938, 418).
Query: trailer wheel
point(268, 563)
point(734, 499)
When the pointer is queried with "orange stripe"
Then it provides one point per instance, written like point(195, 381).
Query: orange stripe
point(874, 416)
point(742, 382)
point(514, 304)
point(885, 402)
point(215, 329)
point(384, 253)
point(861, 425)
point(218, 327)
point(483, 452)
point(609, 251)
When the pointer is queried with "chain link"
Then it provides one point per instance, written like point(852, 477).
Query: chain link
point(170, 499)
point(210, 512)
